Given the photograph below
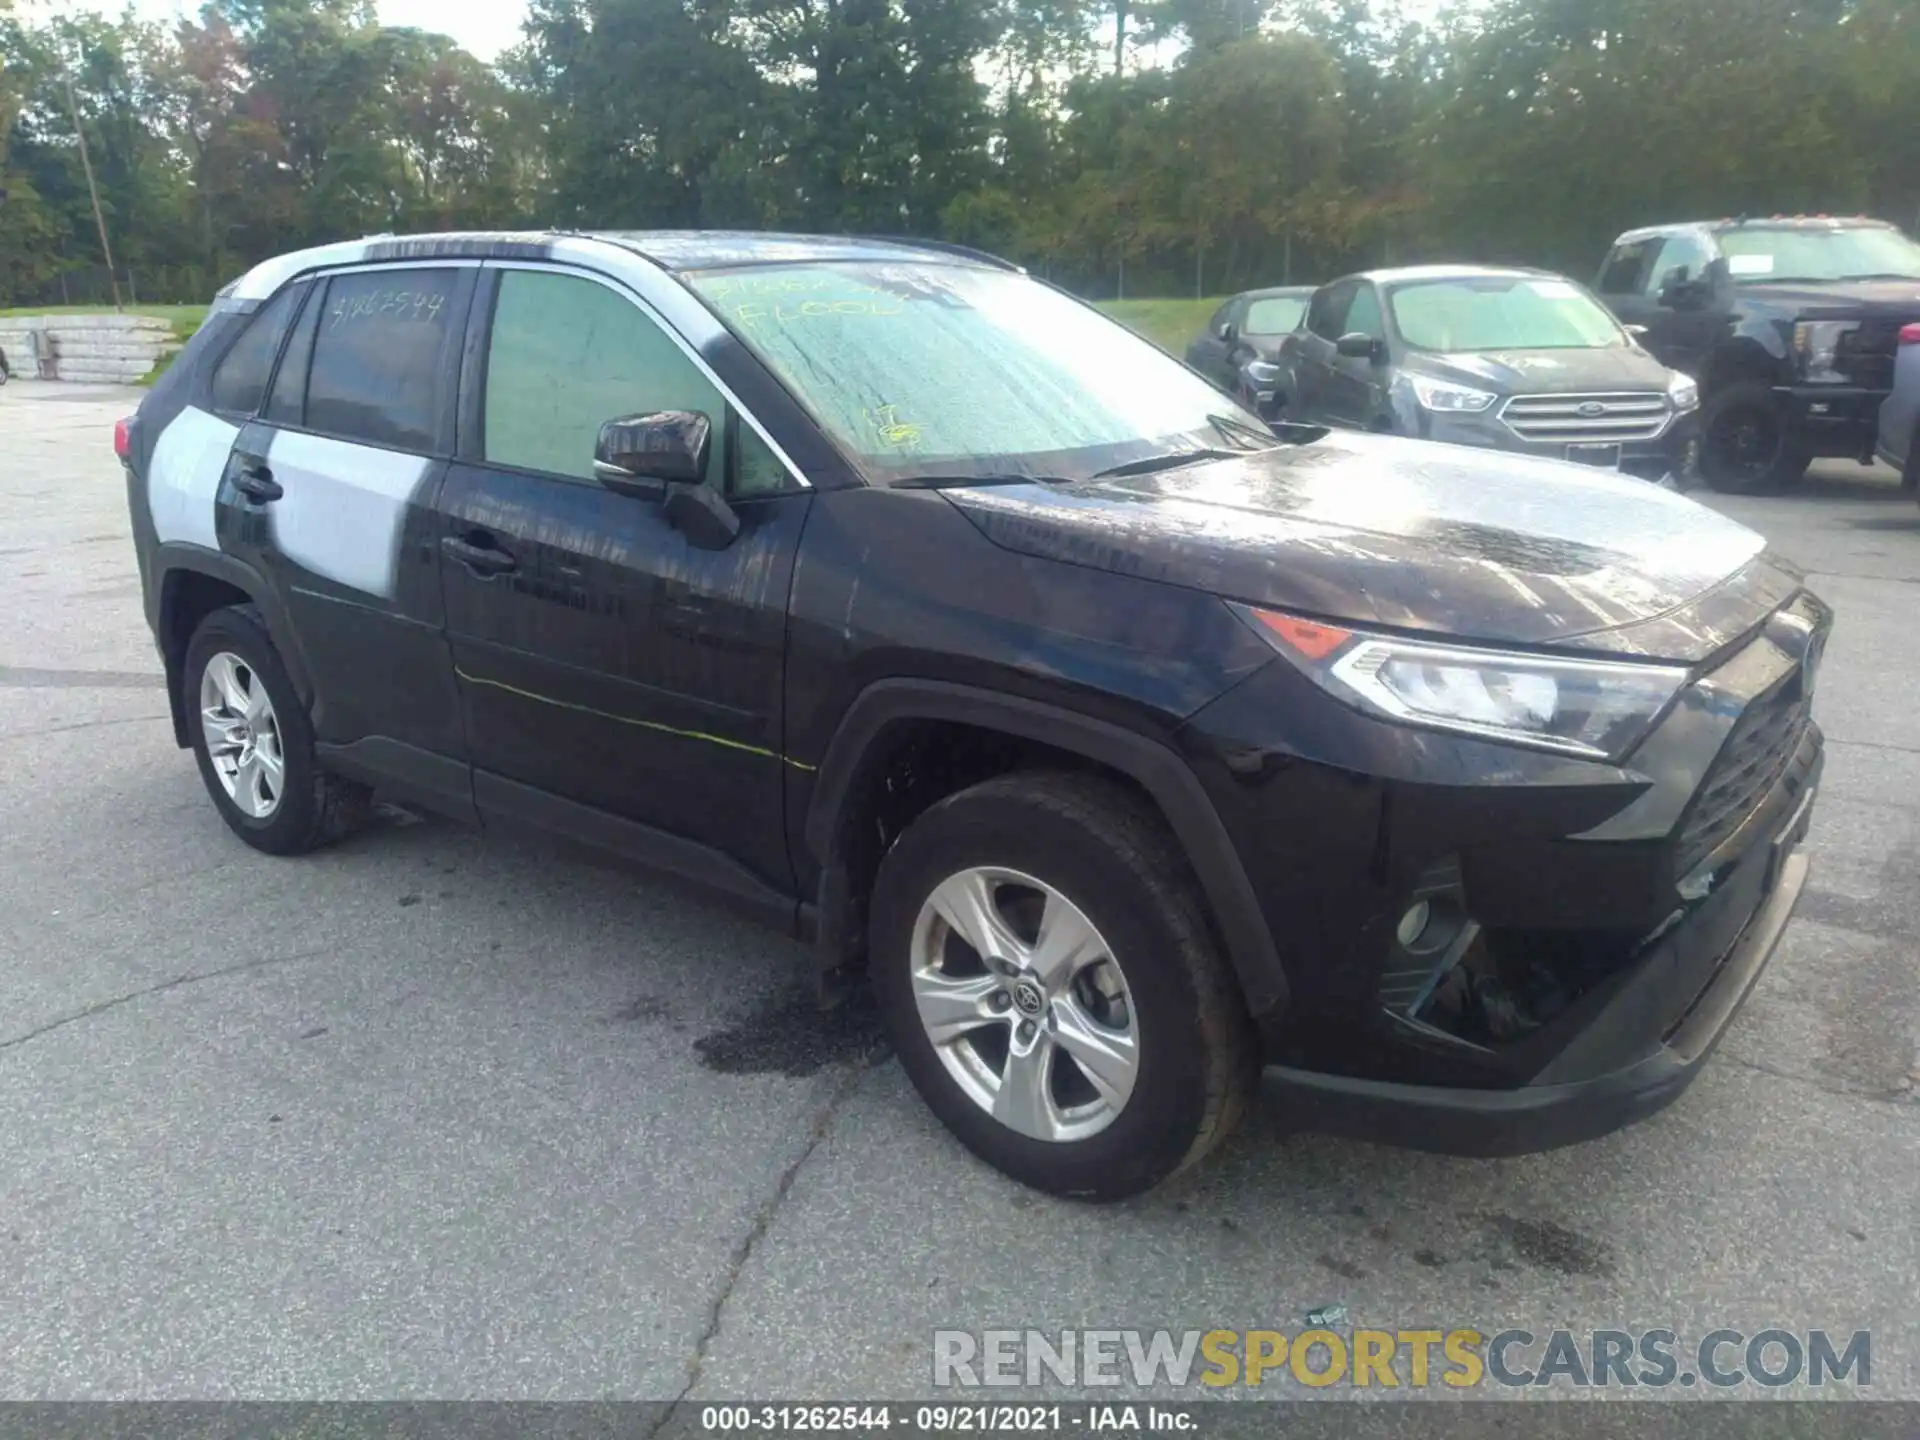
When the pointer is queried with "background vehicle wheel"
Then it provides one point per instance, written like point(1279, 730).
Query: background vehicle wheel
point(1744, 445)
point(1045, 972)
point(254, 741)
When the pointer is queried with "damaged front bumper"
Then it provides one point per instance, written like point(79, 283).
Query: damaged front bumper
point(1567, 1102)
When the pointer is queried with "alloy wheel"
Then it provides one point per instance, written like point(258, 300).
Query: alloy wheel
point(1024, 1003)
point(243, 735)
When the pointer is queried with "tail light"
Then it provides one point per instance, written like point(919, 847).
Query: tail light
point(1910, 335)
point(123, 436)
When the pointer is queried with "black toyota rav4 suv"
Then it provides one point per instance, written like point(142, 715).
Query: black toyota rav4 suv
point(1133, 750)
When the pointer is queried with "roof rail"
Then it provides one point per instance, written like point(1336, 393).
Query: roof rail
point(947, 247)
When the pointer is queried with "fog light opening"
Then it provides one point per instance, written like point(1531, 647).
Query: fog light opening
point(1427, 927)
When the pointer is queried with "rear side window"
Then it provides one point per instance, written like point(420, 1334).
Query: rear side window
point(287, 405)
point(566, 356)
point(382, 368)
point(240, 379)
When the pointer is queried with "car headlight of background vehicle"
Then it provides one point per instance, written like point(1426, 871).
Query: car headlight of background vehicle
point(1597, 709)
point(1439, 395)
point(1817, 343)
point(1684, 392)
point(1262, 372)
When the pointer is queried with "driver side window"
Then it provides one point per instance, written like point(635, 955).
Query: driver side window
point(1327, 315)
point(1675, 250)
point(568, 354)
point(1363, 315)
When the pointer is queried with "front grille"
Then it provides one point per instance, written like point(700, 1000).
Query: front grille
point(1756, 753)
point(1587, 419)
point(1866, 355)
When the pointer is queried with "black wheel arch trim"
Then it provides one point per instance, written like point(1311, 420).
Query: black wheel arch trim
point(1156, 767)
point(173, 558)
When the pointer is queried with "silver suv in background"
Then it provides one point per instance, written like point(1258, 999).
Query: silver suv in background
point(1899, 442)
point(1503, 359)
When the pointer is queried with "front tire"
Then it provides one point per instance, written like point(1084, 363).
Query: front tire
point(1046, 974)
point(254, 741)
point(1744, 445)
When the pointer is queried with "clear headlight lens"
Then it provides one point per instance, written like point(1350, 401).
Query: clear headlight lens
point(1598, 709)
point(1262, 372)
point(1684, 392)
point(1817, 343)
point(1455, 399)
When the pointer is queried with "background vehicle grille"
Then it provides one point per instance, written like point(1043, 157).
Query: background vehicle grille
point(1542, 419)
point(1755, 755)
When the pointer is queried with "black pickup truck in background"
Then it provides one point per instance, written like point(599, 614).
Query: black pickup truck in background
point(1789, 325)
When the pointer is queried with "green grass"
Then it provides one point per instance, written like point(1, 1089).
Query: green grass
point(1170, 324)
point(185, 319)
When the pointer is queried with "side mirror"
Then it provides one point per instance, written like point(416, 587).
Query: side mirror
point(1228, 331)
point(1680, 291)
point(640, 455)
point(1357, 346)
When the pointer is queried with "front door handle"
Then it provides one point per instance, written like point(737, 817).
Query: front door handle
point(481, 559)
point(256, 482)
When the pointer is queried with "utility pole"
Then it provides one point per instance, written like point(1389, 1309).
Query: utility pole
point(93, 189)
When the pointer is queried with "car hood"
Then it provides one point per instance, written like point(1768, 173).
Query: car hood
point(1546, 372)
point(1840, 299)
point(1409, 535)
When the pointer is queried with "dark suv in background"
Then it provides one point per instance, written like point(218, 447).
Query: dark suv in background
point(1503, 359)
point(1788, 324)
point(1238, 348)
point(921, 611)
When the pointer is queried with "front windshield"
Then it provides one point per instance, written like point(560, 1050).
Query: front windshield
point(928, 369)
point(1757, 254)
point(1275, 315)
point(1501, 312)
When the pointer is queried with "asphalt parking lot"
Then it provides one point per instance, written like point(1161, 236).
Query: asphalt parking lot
point(443, 1114)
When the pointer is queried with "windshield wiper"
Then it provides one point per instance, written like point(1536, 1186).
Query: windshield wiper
point(1173, 461)
point(1882, 275)
point(1238, 429)
point(959, 482)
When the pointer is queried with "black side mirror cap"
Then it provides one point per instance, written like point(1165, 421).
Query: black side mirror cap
point(1229, 332)
point(641, 455)
point(1358, 346)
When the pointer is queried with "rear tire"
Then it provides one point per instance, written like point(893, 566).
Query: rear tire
point(1744, 445)
point(254, 721)
point(1104, 862)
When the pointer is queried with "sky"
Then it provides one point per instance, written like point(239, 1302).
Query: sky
point(484, 27)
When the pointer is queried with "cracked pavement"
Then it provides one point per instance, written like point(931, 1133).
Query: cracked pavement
point(443, 1114)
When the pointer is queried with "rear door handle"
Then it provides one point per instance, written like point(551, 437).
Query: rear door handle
point(256, 482)
point(481, 559)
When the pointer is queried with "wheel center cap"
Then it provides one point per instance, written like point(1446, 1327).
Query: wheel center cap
point(1027, 998)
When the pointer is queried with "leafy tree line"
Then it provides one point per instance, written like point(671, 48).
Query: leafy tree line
point(1150, 146)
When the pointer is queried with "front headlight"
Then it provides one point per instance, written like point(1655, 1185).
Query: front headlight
point(1684, 392)
point(1817, 343)
point(1262, 372)
point(1453, 399)
point(1597, 709)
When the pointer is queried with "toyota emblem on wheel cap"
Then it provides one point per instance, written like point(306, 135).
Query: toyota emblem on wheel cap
point(1027, 998)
